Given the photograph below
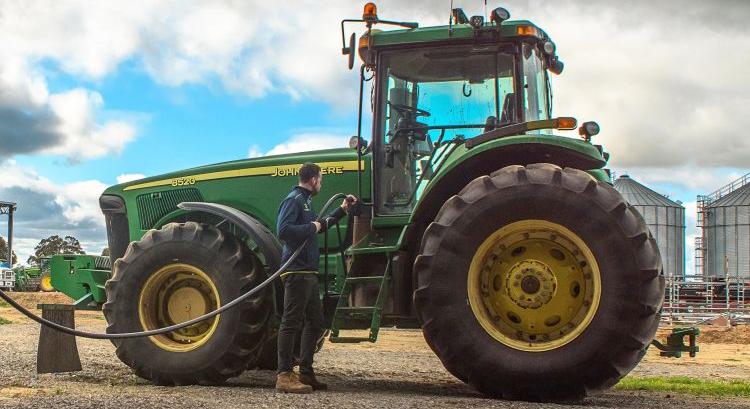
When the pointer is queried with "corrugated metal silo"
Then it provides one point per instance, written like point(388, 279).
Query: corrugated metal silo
point(664, 217)
point(727, 235)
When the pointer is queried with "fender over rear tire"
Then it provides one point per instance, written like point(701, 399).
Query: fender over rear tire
point(479, 347)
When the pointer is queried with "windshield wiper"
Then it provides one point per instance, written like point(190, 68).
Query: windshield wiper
point(442, 127)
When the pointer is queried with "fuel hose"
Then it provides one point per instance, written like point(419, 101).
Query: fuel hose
point(158, 331)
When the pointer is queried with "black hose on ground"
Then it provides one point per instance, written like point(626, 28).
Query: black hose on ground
point(158, 331)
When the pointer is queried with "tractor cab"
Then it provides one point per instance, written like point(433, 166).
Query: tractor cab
point(436, 87)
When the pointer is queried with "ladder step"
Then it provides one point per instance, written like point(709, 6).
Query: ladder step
point(368, 279)
point(349, 340)
point(357, 310)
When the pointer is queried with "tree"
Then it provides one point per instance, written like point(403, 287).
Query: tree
point(4, 251)
point(55, 245)
point(105, 252)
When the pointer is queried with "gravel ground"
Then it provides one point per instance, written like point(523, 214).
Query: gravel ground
point(397, 372)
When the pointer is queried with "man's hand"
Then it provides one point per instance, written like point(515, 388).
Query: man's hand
point(349, 202)
point(317, 227)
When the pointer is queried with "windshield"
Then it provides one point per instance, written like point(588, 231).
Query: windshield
point(467, 91)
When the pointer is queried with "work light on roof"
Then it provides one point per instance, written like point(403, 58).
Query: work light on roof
point(588, 129)
point(476, 21)
point(499, 15)
point(459, 17)
point(549, 47)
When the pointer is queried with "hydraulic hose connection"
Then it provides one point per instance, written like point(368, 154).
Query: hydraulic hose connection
point(164, 330)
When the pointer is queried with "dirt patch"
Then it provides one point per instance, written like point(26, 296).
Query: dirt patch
point(710, 334)
point(30, 300)
point(732, 335)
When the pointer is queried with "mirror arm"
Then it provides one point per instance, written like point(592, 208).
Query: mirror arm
point(343, 36)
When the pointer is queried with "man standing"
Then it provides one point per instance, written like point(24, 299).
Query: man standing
point(302, 307)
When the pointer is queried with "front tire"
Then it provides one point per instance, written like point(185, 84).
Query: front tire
point(538, 283)
point(178, 273)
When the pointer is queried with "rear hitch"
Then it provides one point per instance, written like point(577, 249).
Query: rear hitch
point(675, 345)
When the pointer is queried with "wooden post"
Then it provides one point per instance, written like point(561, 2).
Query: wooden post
point(57, 351)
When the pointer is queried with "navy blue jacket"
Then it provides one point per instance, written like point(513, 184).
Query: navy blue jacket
point(294, 225)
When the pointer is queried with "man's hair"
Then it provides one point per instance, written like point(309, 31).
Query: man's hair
point(308, 171)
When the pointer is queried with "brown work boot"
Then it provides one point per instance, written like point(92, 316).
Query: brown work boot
point(288, 383)
point(312, 381)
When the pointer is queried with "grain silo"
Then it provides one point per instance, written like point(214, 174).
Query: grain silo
point(727, 232)
point(664, 217)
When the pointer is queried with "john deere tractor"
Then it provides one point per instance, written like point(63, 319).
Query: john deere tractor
point(528, 274)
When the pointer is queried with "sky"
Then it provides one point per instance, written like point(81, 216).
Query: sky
point(97, 93)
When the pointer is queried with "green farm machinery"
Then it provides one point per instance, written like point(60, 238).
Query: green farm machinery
point(527, 272)
point(28, 278)
point(81, 277)
point(36, 278)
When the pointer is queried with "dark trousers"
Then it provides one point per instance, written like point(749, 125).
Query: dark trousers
point(302, 311)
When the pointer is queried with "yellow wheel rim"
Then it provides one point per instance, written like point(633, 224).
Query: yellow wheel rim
point(534, 285)
point(177, 293)
point(46, 283)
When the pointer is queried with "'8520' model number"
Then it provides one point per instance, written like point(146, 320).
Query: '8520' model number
point(183, 181)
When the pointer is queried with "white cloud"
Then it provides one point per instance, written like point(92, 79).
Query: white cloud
point(661, 80)
point(303, 142)
point(703, 180)
point(83, 136)
point(129, 177)
point(33, 119)
point(80, 201)
point(254, 151)
point(46, 208)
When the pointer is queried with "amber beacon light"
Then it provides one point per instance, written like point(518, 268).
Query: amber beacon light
point(370, 12)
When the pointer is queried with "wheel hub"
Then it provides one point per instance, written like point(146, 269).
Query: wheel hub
point(530, 283)
point(534, 285)
point(185, 304)
point(174, 294)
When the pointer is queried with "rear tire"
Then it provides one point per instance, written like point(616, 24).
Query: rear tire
point(594, 354)
point(198, 263)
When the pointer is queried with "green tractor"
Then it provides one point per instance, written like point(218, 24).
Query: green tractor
point(527, 272)
point(27, 279)
point(35, 278)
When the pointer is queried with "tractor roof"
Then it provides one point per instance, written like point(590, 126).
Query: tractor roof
point(508, 29)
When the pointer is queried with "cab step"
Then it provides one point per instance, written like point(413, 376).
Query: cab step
point(373, 312)
point(356, 310)
point(349, 340)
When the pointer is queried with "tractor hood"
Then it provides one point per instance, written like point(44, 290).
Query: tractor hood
point(330, 160)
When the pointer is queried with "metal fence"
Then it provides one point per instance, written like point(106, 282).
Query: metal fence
point(697, 301)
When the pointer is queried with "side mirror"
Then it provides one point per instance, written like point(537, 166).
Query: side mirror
point(350, 51)
point(353, 143)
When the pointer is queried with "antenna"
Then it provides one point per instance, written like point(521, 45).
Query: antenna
point(450, 21)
